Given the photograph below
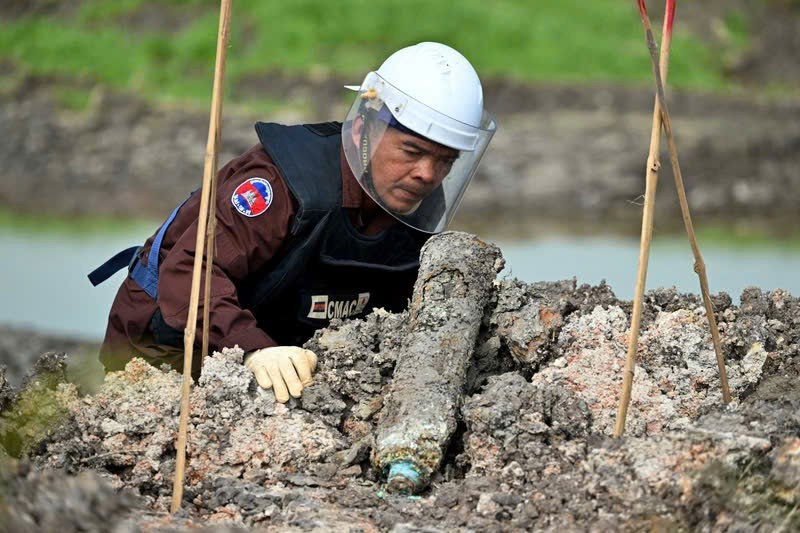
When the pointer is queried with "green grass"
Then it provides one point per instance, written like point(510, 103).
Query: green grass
point(72, 98)
point(571, 41)
point(749, 237)
point(736, 28)
point(31, 224)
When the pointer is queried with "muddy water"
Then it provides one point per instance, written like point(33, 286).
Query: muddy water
point(43, 281)
point(768, 264)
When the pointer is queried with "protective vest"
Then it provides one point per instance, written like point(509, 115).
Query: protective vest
point(330, 270)
point(327, 270)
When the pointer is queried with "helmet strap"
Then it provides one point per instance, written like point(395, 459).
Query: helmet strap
point(365, 148)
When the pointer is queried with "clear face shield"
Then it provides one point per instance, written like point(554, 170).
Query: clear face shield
point(412, 160)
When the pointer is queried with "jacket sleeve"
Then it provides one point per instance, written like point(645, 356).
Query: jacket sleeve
point(243, 245)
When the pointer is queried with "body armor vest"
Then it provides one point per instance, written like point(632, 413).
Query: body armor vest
point(329, 270)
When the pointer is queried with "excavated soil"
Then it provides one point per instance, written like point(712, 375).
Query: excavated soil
point(530, 447)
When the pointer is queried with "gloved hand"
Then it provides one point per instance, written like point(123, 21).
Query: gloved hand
point(286, 369)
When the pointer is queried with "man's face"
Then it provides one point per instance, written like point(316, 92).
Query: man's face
point(406, 169)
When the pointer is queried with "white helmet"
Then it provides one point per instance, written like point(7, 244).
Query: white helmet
point(431, 91)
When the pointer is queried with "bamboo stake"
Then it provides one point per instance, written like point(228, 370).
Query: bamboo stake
point(210, 252)
point(651, 181)
point(699, 265)
point(209, 171)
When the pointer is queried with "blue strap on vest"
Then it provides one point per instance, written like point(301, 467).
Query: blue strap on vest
point(145, 277)
point(115, 264)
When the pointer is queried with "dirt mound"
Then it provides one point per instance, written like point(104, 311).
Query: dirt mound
point(49, 501)
point(530, 448)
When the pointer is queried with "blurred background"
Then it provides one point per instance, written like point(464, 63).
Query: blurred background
point(104, 116)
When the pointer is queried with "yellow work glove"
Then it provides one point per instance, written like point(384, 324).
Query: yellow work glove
point(285, 369)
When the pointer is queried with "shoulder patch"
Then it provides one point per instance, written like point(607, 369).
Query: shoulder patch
point(252, 197)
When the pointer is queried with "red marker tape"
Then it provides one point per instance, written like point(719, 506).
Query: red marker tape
point(670, 15)
point(642, 8)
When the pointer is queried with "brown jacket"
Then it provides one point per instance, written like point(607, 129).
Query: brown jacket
point(243, 246)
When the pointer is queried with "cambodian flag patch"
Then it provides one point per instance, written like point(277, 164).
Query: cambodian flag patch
point(252, 197)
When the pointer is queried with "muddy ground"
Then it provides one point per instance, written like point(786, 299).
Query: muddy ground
point(570, 155)
point(529, 449)
point(20, 348)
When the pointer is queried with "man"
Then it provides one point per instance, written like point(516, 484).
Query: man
point(307, 223)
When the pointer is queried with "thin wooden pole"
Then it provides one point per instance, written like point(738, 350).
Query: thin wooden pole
point(699, 265)
point(651, 181)
point(210, 169)
point(210, 254)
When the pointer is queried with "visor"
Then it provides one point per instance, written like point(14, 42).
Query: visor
point(412, 160)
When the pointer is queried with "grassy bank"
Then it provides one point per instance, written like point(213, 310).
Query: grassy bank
point(16, 223)
point(165, 49)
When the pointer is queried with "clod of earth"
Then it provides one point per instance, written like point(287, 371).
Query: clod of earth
point(539, 367)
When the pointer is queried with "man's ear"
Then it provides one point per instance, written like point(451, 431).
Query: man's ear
point(358, 127)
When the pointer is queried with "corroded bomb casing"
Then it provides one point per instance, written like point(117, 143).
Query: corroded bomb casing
point(453, 287)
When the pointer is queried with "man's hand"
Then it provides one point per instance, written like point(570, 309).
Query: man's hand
point(286, 369)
